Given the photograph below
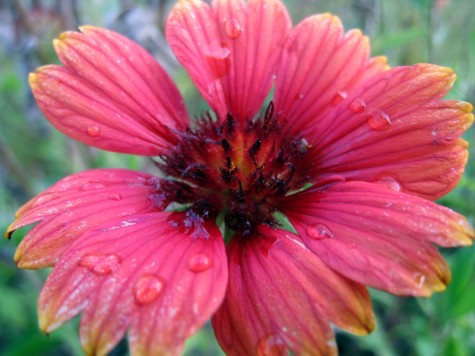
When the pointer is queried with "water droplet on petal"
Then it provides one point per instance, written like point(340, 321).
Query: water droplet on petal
point(357, 106)
point(339, 97)
point(270, 345)
point(420, 279)
point(389, 183)
point(92, 185)
point(319, 232)
point(199, 262)
point(232, 28)
point(148, 288)
point(115, 196)
point(45, 197)
point(93, 131)
point(100, 264)
point(218, 60)
point(378, 120)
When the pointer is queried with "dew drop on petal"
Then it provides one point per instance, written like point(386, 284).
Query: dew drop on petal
point(420, 279)
point(357, 106)
point(218, 60)
point(339, 97)
point(319, 232)
point(200, 262)
point(45, 197)
point(93, 131)
point(390, 183)
point(270, 345)
point(378, 120)
point(92, 185)
point(115, 196)
point(100, 264)
point(148, 288)
point(232, 28)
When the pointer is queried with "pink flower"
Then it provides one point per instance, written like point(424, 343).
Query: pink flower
point(350, 151)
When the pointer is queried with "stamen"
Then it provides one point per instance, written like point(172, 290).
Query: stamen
point(241, 167)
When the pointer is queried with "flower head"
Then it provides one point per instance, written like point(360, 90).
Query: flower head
point(351, 152)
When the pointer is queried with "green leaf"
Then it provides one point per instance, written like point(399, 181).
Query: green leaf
point(460, 293)
point(453, 347)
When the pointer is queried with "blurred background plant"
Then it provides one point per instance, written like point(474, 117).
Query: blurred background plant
point(33, 156)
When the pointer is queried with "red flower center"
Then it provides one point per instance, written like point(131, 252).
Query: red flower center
point(239, 168)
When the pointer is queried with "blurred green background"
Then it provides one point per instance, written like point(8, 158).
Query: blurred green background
point(33, 156)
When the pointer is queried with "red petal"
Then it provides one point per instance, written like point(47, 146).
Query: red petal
point(140, 273)
point(230, 50)
point(379, 237)
point(110, 94)
point(320, 66)
point(76, 204)
point(281, 296)
point(408, 134)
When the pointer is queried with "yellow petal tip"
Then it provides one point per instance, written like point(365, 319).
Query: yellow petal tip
point(32, 79)
point(87, 28)
point(58, 43)
point(465, 107)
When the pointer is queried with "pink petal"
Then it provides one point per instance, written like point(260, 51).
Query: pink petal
point(320, 66)
point(151, 274)
point(110, 94)
point(281, 296)
point(379, 237)
point(77, 204)
point(395, 127)
point(230, 50)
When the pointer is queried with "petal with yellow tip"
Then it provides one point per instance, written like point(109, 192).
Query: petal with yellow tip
point(379, 237)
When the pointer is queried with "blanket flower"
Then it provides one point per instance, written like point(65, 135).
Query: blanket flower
point(271, 217)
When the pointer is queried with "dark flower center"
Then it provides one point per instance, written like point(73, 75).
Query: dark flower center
point(241, 169)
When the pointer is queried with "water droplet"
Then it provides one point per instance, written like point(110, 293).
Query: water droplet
point(218, 60)
point(115, 196)
point(270, 345)
point(45, 198)
point(200, 262)
point(232, 28)
point(100, 264)
point(389, 183)
point(378, 120)
point(92, 185)
point(93, 131)
point(319, 232)
point(339, 97)
point(148, 288)
point(420, 279)
point(357, 106)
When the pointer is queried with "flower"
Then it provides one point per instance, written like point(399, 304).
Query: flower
point(350, 152)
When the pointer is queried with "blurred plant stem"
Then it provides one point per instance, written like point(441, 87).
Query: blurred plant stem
point(15, 168)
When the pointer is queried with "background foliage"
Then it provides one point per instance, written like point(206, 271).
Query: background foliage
point(33, 156)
